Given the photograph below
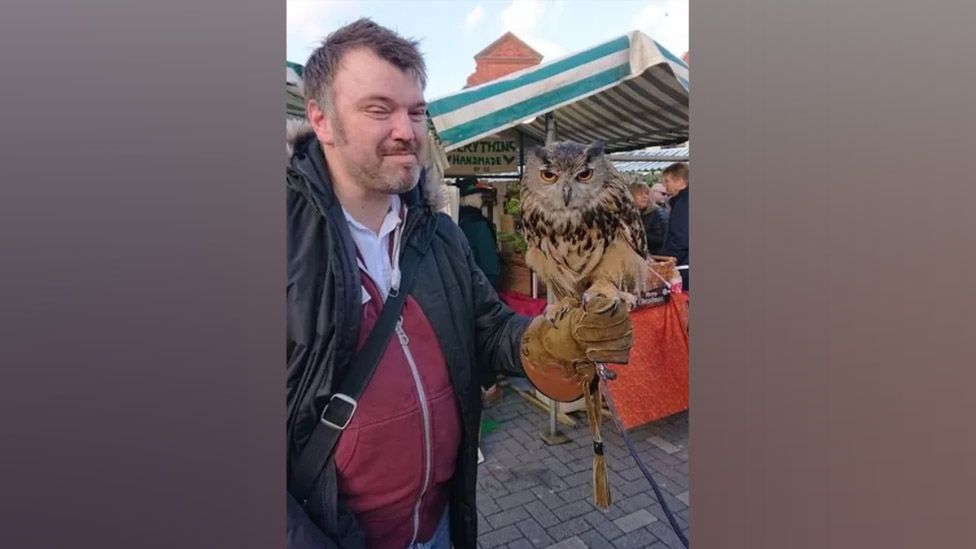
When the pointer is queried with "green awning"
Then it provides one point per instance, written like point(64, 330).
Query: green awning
point(631, 92)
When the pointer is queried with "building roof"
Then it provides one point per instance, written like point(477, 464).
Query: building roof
point(509, 39)
point(649, 160)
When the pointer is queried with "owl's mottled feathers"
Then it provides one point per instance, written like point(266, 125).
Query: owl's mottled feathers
point(584, 233)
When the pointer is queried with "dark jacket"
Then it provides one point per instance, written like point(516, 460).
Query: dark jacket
point(323, 308)
point(655, 227)
point(676, 240)
point(481, 237)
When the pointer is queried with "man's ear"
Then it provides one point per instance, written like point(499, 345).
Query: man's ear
point(320, 122)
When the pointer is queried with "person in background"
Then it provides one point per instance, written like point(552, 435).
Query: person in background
point(676, 239)
point(478, 229)
point(659, 195)
point(654, 216)
point(480, 233)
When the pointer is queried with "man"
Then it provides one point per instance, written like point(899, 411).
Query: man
point(676, 240)
point(478, 229)
point(653, 215)
point(403, 471)
point(659, 195)
point(484, 247)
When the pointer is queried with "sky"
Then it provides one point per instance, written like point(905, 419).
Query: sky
point(451, 32)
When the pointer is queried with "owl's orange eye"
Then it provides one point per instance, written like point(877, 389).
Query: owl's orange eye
point(585, 175)
point(548, 176)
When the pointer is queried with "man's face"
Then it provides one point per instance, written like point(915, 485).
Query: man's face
point(658, 194)
point(376, 135)
point(673, 184)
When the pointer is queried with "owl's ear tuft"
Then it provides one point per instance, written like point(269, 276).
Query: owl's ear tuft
point(541, 153)
point(596, 149)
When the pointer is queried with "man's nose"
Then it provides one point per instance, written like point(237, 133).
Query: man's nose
point(402, 127)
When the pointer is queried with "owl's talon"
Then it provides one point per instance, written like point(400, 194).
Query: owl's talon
point(554, 313)
point(552, 318)
point(629, 299)
point(601, 304)
point(598, 302)
point(604, 296)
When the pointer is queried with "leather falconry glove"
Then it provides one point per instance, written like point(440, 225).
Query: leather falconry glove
point(558, 356)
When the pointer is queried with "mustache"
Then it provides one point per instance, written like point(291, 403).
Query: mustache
point(401, 148)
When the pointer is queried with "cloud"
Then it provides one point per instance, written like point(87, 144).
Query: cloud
point(666, 21)
point(474, 16)
point(549, 50)
point(522, 17)
point(307, 22)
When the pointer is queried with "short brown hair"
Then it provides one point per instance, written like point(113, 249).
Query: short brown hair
point(320, 69)
point(639, 187)
point(678, 170)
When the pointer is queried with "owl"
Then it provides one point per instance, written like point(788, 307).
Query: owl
point(584, 234)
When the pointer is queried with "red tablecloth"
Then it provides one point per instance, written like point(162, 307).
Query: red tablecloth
point(655, 382)
point(523, 304)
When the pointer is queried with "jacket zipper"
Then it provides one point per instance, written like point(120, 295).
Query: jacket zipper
point(425, 415)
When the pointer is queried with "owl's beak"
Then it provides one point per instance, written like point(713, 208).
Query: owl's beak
point(567, 194)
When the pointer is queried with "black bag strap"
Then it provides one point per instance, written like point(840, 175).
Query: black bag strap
point(308, 466)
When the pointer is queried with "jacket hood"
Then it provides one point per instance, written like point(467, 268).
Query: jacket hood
point(299, 135)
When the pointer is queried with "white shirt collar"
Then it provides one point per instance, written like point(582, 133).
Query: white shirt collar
point(374, 248)
point(390, 222)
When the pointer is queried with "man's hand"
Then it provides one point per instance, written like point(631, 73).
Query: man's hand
point(557, 355)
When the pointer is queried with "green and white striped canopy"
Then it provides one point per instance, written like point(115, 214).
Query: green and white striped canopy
point(294, 91)
point(631, 92)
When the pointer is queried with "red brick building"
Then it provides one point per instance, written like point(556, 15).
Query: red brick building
point(504, 56)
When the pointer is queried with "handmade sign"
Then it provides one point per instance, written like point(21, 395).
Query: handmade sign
point(496, 154)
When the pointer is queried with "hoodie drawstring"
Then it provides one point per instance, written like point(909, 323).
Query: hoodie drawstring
point(395, 259)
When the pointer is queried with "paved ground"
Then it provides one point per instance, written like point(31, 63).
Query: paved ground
point(533, 495)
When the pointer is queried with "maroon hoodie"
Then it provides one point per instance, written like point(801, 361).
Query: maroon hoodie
point(397, 455)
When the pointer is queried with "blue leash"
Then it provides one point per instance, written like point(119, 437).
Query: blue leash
point(606, 374)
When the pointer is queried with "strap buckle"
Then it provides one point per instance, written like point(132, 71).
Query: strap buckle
point(339, 416)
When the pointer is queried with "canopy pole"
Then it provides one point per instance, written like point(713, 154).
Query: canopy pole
point(521, 154)
point(550, 128)
point(552, 437)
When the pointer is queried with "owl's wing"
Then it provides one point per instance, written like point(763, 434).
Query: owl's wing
point(632, 229)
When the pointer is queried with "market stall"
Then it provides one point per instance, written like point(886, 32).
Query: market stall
point(294, 91)
point(631, 93)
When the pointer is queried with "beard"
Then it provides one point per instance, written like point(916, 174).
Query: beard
point(397, 169)
point(393, 168)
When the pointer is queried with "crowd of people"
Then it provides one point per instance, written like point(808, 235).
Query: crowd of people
point(664, 211)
